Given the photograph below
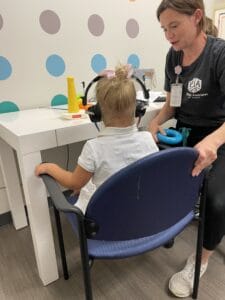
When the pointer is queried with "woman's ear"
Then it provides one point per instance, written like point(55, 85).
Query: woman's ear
point(198, 14)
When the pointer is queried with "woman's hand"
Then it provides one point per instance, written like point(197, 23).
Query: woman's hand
point(166, 113)
point(207, 150)
point(154, 128)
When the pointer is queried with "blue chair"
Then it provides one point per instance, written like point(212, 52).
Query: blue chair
point(138, 209)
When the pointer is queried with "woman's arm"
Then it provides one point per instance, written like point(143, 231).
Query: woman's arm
point(166, 113)
point(73, 180)
point(207, 149)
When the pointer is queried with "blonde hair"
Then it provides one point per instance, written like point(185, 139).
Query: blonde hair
point(116, 96)
point(187, 7)
point(210, 28)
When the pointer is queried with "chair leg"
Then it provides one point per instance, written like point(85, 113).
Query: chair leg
point(201, 220)
point(85, 262)
point(198, 259)
point(90, 262)
point(61, 244)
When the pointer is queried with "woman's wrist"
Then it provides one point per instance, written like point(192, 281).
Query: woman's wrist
point(216, 140)
point(218, 137)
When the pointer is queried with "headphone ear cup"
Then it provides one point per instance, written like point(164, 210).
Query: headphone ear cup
point(140, 109)
point(95, 114)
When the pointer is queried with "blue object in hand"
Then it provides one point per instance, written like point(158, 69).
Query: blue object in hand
point(172, 137)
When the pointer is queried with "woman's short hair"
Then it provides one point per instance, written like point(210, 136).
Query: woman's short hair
point(187, 7)
point(210, 28)
point(116, 95)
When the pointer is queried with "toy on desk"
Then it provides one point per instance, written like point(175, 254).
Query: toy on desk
point(172, 137)
point(74, 103)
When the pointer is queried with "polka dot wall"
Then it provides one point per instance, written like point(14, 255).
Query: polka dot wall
point(43, 43)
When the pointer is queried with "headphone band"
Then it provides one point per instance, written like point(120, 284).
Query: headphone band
point(97, 78)
point(145, 91)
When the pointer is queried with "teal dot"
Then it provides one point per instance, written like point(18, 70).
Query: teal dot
point(59, 100)
point(8, 106)
point(5, 68)
point(98, 63)
point(134, 60)
point(55, 65)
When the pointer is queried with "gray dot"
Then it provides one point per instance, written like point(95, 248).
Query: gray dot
point(49, 21)
point(1, 22)
point(96, 25)
point(132, 28)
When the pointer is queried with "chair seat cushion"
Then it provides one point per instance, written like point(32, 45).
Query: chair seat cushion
point(123, 249)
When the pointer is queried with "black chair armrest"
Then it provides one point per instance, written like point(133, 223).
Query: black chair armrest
point(57, 197)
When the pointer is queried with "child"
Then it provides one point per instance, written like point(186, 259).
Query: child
point(117, 145)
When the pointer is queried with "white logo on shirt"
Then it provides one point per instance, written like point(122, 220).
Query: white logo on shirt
point(194, 85)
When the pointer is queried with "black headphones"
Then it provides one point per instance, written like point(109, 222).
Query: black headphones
point(95, 112)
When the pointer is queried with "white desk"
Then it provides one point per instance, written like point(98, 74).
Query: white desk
point(28, 132)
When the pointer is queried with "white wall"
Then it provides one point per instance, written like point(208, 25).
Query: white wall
point(209, 7)
point(219, 4)
point(27, 46)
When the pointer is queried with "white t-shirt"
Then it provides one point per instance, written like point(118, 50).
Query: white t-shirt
point(112, 150)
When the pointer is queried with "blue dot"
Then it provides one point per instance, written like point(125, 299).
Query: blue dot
point(98, 63)
point(55, 65)
point(5, 68)
point(134, 60)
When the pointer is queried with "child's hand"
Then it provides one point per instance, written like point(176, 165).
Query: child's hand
point(41, 169)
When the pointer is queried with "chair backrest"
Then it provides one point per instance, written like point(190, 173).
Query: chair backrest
point(146, 197)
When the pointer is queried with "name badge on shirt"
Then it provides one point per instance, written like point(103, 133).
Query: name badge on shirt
point(176, 94)
point(176, 89)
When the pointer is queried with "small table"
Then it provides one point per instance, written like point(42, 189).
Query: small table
point(28, 132)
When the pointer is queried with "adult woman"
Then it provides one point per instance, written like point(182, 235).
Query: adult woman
point(195, 86)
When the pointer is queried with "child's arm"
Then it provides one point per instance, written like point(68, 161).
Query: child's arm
point(73, 180)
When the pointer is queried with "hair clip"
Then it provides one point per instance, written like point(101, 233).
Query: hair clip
point(130, 70)
point(108, 74)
